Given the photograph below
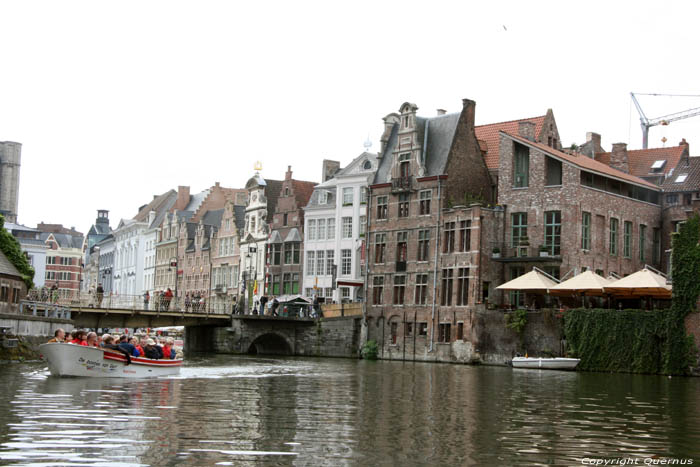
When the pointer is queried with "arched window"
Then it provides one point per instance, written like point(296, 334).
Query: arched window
point(367, 165)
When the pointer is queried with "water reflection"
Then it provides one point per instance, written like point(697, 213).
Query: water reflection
point(252, 411)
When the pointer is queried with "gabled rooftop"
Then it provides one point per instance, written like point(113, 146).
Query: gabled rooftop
point(489, 139)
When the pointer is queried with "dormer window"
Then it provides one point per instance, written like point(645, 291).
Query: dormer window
point(658, 166)
point(322, 197)
point(405, 165)
point(286, 191)
point(367, 165)
point(405, 121)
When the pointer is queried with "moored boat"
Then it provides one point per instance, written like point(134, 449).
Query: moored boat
point(557, 363)
point(79, 360)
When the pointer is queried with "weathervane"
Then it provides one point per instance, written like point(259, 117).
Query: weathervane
point(367, 144)
point(258, 166)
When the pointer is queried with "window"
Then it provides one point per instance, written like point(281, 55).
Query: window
point(276, 285)
point(424, 205)
point(399, 289)
point(290, 283)
point(377, 289)
point(446, 298)
point(394, 328)
point(347, 227)
point(320, 262)
point(422, 329)
point(405, 165)
point(552, 271)
point(51, 259)
point(276, 253)
point(642, 241)
point(347, 196)
point(252, 224)
point(363, 193)
point(66, 261)
point(613, 236)
point(658, 165)
point(553, 168)
point(284, 219)
point(586, 231)
point(345, 293)
point(408, 330)
point(291, 253)
point(672, 199)
point(552, 232)
point(449, 245)
point(521, 166)
point(311, 229)
point(401, 247)
point(15, 295)
point(627, 241)
point(330, 254)
point(310, 262)
point(519, 228)
point(681, 178)
point(321, 229)
point(656, 251)
point(322, 197)
point(465, 235)
point(346, 262)
point(403, 204)
point(331, 229)
point(517, 298)
point(463, 287)
point(421, 289)
point(423, 245)
point(444, 333)
point(363, 225)
point(4, 293)
point(379, 247)
point(460, 331)
point(382, 203)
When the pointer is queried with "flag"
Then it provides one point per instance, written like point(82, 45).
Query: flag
point(255, 287)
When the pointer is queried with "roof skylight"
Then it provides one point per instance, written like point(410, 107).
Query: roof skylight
point(681, 178)
point(658, 165)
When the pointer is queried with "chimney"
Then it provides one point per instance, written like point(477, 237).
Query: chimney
point(527, 130)
point(441, 112)
point(618, 157)
point(685, 156)
point(328, 169)
point(216, 184)
point(183, 198)
point(288, 175)
point(594, 138)
point(468, 111)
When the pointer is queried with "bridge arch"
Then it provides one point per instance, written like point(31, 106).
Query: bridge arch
point(271, 343)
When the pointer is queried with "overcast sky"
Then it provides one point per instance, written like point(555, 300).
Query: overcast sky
point(115, 102)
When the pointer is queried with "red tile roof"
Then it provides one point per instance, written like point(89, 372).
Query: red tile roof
point(303, 191)
point(488, 136)
point(586, 163)
point(641, 160)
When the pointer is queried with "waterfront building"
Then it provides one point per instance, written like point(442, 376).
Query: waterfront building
point(105, 260)
point(336, 224)
point(10, 161)
point(128, 258)
point(429, 241)
point(63, 258)
point(225, 262)
point(260, 209)
point(285, 246)
point(33, 247)
point(97, 232)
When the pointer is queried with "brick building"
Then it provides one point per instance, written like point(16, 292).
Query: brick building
point(63, 258)
point(653, 165)
point(226, 257)
point(12, 287)
point(427, 257)
point(568, 213)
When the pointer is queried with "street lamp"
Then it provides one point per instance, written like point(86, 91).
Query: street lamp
point(173, 264)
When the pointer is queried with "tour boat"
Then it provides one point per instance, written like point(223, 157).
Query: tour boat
point(545, 363)
point(80, 360)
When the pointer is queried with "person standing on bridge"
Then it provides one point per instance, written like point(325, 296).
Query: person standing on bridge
point(146, 299)
point(99, 294)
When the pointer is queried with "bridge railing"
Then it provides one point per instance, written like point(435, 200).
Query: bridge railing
point(131, 302)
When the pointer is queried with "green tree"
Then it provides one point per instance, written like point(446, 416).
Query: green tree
point(11, 248)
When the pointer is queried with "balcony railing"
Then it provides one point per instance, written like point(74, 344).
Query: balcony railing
point(401, 184)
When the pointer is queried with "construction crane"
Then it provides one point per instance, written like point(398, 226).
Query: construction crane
point(665, 120)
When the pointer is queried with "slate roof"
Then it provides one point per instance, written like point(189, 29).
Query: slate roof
point(239, 213)
point(692, 181)
point(489, 139)
point(641, 160)
point(441, 131)
point(6, 267)
point(64, 240)
point(213, 217)
point(584, 162)
point(57, 228)
point(272, 193)
point(159, 203)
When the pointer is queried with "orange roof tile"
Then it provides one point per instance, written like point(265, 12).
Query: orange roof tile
point(303, 191)
point(586, 163)
point(641, 160)
point(488, 136)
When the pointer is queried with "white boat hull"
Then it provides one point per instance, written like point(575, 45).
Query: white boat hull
point(79, 360)
point(545, 363)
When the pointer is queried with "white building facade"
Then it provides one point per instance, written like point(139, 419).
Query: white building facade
point(129, 252)
point(336, 223)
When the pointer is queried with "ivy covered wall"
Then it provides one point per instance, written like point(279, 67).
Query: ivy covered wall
point(11, 248)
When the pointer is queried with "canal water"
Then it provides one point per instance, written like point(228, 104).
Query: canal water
point(224, 410)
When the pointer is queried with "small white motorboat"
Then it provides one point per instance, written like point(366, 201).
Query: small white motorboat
point(557, 363)
point(80, 360)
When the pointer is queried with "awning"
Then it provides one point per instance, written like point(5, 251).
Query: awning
point(533, 281)
point(351, 283)
point(586, 283)
point(644, 283)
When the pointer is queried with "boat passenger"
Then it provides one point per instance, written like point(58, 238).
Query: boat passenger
point(135, 342)
point(168, 350)
point(103, 339)
point(124, 344)
point(58, 336)
point(80, 338)
point(91, 339)
point(152, 350)
point(110, 345)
